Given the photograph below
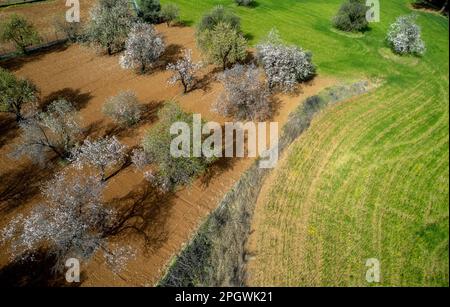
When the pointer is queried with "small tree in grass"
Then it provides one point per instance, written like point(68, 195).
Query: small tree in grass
point(170, 171)
point(53, 131)
point(170, 13)
point(102, 154)
point(244, 2)
point(143, 47)
point(245, 96)
point(218, 15)
point(150, 10)
point(124, 108)
point(184, 71)
point(15, 93)
point(72, 223)
point(223, 45)
point(110, 23)
point(404, 36)
point(284, 65)
point(19, 31)
point(351, 16)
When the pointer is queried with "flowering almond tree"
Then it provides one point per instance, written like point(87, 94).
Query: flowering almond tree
point(404, 36)
point(284, 65)
point(184, 71)
point(73, 222)
point(143, 47)
point(102, 154)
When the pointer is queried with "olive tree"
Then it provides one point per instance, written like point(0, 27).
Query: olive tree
point(170, 171)
point(102, 154)
point(245, 95)
point(109, 25)
point(284, 65)
point(149, 10)
point(143, 47)
point(351, 16)
point(217, 15)
point(73, 222)
point(54, 131)
point(404, 36)
point(184, 71)
point(15, 93)
point(223, 45)
point(18, 30)
point(170, 13)
point(123, 109)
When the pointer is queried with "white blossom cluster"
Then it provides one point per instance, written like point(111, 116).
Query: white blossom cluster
point(245, 96)
point(140, 158)
point(117, 256)
point(71, 223)
point(404, 36)
point(184, 70)
point(143, 47)
point(55, 130)
point(284, 65)
point(102, 153)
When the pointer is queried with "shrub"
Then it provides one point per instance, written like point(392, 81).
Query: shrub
point(284, 65)
point(245, 96)
point(351, 16)
point(143, 47)
point(53, 131)
point(218, 15)
point(149, 10)
point(170, 13)
point(223, 45)
point(244, 2)
point(404, 36)
point(184, 71)
point(170, 171)
point(123, 109)
point(110, 23)
point(19, 31)
point(15, 93)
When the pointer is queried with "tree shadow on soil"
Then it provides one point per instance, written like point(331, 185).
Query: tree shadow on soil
point(8, 129)
point(37, 271)
point(78, 99)
point(143, 212)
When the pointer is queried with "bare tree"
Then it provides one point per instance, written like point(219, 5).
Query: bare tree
point(245, 96)
point(55, 130)
point(103, 154)
point(143, 47)
point(184, 71)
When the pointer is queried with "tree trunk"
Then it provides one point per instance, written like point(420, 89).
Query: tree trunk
point(444, 7)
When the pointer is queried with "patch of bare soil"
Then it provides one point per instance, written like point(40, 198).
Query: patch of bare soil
point(88, 79)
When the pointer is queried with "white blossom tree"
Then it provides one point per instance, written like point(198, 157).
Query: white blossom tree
point(245, 95)
point(143, 47)
point(140, 158)
point(73, 222)
point(284, 65)
point(404, 36)
point(102, 154)
point(53, 131)
point(124, 108)
point(184, 71)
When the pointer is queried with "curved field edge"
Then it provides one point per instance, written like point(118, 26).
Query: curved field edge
point(216, 255)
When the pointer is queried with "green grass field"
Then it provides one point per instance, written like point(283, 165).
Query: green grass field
point(370, 178)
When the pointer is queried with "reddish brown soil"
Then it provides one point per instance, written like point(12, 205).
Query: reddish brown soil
point(88, 79)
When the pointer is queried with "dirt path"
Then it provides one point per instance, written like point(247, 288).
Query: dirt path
point(88, 79)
